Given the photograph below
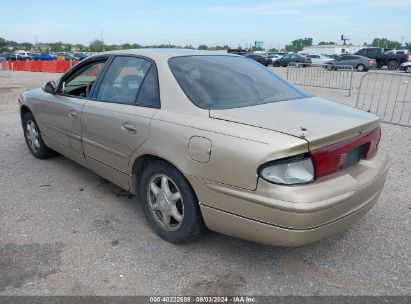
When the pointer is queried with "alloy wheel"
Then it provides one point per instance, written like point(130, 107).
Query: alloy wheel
point(165, 202)
point(32, 136)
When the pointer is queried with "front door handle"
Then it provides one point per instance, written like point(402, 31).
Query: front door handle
point(73, 115)
point(129, 127)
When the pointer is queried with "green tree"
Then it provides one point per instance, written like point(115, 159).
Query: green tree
point(2, 43)
point(385, 43)
point(189, 46)
point(202, 47)
point(273, 50)
point(299, 44)
point(255, 48)
point(97, 46)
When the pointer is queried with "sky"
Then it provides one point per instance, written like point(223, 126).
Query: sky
point(211, 22)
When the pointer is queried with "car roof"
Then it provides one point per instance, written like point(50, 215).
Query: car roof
point(167, 53)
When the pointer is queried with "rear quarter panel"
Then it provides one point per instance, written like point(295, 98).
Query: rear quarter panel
point(236, 150)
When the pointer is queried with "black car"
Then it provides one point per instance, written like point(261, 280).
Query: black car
point(261, 59)
point(390, 59)
point(295, 58)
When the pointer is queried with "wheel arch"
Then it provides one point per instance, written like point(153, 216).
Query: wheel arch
point(142, 162)
point(24, 109)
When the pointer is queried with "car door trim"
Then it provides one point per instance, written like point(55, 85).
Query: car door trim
point(118, 170)
point(105, 148)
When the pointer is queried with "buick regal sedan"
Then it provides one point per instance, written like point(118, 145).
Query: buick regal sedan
point(213, 141)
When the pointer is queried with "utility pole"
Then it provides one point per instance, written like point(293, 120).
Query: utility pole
point(102, 41)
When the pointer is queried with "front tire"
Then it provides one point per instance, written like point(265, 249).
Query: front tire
point(33, 138)
point(408, 69)
point(169, 203)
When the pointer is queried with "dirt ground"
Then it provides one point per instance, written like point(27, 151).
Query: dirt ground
point(66, 231)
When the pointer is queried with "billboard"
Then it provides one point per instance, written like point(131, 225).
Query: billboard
point(259, 43)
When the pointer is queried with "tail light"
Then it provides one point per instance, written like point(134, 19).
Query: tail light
point(370, 60)
point(406, 57)
point(336, 157)
point(305, 59)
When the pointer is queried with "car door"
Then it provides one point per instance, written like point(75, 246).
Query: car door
point(61, 114)
point(115, 122)
point(285, 60)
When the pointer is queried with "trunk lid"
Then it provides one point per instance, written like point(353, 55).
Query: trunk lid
point(319, 121)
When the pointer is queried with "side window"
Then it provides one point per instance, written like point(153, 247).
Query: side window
point(123, 80)
point(149, 94)
point(80, 83)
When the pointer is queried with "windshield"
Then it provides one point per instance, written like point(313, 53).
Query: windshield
point(224, 82)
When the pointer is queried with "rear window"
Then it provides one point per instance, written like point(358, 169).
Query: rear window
point(224, 82)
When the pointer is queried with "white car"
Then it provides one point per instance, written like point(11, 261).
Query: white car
point(319, 59)
point(274, 57)
point(406, 66)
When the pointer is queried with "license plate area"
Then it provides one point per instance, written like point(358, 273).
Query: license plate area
point(355, 155)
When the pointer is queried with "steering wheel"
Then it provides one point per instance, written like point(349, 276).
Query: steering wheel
point(88, 88)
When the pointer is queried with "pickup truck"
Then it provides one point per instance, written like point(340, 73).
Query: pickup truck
point(389, 59)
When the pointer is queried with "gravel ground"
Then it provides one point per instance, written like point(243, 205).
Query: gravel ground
point(66, 231)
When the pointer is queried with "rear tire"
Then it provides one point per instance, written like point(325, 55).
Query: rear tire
point(361, 68)
point(169, 203)
point(276, 64)
point(392, 65)
point(34, 141)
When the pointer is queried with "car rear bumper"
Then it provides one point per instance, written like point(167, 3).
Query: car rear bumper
point(293, 215)
point(268, 234)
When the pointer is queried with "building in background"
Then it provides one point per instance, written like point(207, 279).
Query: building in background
point(329, 49)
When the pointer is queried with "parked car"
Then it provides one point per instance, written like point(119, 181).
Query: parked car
point(391, 60)
point(14, 56)
point(318, 58)
point(43, 56)
point(282, 54)
point(24, 54)
point(292, 58)
point(229, 145)
point(264, 60)
point(406, 66)
point(79, 56)
point(274, 57)
point(360, 63)
point(332, 56)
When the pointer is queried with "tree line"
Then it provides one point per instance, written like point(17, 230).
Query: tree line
point(99, 46)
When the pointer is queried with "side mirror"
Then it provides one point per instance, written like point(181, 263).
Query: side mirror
point(50, 87)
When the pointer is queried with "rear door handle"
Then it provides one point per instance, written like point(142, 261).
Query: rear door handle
point(129, 127)
point(73, 115)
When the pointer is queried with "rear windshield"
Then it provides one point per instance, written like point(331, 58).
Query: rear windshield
point(224, 82)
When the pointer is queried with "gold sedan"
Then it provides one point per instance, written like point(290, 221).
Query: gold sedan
point(207, 140)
